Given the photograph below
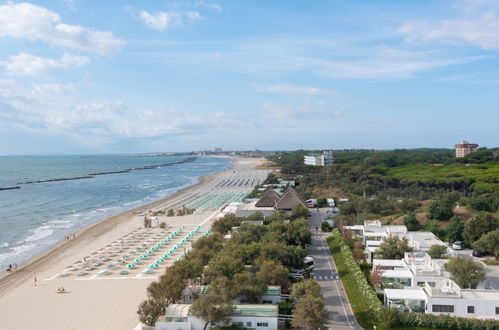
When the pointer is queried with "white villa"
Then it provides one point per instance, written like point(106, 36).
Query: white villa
point(419, 283)
point(446, 297)
point(373, 233)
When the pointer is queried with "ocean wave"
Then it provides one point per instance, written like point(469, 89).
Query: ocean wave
point(4, 245)
point(39, 233)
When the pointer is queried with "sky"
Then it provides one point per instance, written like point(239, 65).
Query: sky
point(148, 76)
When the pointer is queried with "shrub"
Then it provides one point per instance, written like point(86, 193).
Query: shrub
point(325, 227)
point(162, 225)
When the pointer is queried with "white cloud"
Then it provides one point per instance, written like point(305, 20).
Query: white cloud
point(481, 32)
point(53, 109)
point(164, 20)
point(290, 89)
point(267, 57)
point(29, 65)
point(159, 21)
point(24, 20)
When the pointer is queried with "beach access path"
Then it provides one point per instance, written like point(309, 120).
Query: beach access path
point(96, 301)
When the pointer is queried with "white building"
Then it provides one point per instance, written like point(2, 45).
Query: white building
point(373, 233)
point(446, 298)
point(258, 317)
point(416, 269)
point(324, 159)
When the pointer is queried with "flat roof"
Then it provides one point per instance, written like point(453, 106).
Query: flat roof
point(373, 243)
point(406, 294)
point(251, 206)
point(376, 233)
point(480, 294)
point(354, 227)
point(261, 310)
point(397, 273)
point(388, 262)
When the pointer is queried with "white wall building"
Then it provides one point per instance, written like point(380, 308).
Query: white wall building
point(373, 233)
point(446, 298)
point(324, 159)
point(258, 317)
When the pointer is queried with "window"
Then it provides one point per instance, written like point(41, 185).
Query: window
point(238, 323)
point(497, 310)
point(262, 324)
point(442, 308)
point(471, 309)
point(248, 324)
point(421, 284)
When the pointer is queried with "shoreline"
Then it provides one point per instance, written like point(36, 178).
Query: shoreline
point(10, 280)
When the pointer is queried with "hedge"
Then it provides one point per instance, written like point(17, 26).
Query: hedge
point(365, 289)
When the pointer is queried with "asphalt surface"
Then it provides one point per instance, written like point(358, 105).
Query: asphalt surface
point(339, 310)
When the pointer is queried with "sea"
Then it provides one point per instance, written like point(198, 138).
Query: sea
point(58, 195)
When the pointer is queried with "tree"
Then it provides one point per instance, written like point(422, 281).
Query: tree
point(298, 232)
point(393, 248)
point(168, 289)
point(388, 317)
point(307, 287)
point(224, 266)
point(225, 224)
point(149, 311)
point(310, 312)
point(441, 209)
point(438, 251)
point(465, 272)
point(249, 286)
point(212, 308)
point(489, 242)
point(299, 211)
point(273, 273)
point(479, 225)
point(326, 227)
point(377, 279)
point(411, 222)
point(455, 229)
point(358, 251)
point(170, 213)
point(409, 205)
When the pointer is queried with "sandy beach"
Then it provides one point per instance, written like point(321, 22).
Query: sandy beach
point(102, 290)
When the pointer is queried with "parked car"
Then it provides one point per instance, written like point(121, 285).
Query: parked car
point(477, 253)
point(458, 245)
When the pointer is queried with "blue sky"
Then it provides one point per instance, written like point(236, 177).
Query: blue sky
point(142, 76)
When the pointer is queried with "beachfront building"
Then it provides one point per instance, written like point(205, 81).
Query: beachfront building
point(253, 316)
point(445, 297)
point(464, 148)
point(324, 159)
point(272, 202)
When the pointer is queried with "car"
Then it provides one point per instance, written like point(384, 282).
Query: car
point(477, 253)
point(336, 277)
point(458, 245)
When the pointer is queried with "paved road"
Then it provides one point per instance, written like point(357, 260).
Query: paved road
point(340, 313)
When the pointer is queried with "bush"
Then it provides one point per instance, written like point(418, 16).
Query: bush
point(325, 227)
point(441, 209)
point(444, 321)
point(162, 225)
point(170, 213)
